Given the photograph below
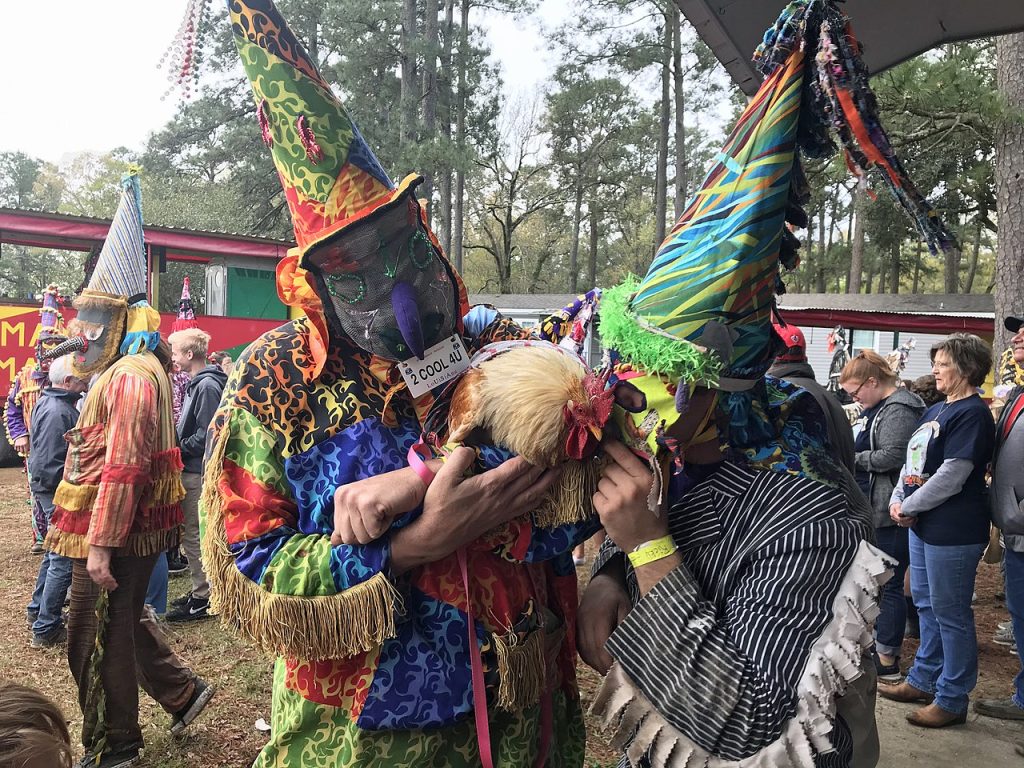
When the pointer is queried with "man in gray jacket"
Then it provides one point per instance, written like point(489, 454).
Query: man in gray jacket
point(1007, 499)
point(202, 396)
point(54, 414)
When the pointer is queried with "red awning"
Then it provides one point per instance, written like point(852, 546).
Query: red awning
point(889, 321)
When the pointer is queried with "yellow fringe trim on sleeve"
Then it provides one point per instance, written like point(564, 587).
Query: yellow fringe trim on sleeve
point(76, 546)
point(521, 668)
point(326, 627)
point(571, 499)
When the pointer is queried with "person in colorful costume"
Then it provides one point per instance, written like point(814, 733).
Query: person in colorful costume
point(118, 507)
point(25, 392)
point(374, 666)
point(732, 605)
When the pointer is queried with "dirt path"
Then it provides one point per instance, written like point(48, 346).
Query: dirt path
point(225, 735)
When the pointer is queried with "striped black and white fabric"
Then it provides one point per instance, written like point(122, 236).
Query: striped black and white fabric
point(739, 653)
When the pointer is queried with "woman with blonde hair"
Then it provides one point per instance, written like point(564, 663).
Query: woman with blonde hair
point(33, 731)
point(888, 417)
point(942, 499)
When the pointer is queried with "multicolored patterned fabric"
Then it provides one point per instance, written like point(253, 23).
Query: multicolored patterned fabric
point(330, 176)
point(20, 402)
point(373, 669)
point(186, 312)
point(122, 476)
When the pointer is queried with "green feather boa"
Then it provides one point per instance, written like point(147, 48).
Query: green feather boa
point(677, 359)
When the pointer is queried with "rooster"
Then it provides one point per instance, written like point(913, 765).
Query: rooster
point(545, 405)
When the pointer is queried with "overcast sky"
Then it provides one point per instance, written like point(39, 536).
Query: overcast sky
point(82, 76)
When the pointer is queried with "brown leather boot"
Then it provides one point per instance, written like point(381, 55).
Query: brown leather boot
point(905, 693)
point(934, 716)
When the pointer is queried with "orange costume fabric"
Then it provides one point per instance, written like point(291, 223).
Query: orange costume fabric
point(122, 477)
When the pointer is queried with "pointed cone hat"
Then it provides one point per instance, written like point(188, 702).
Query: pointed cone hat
point(51, 319)
point(120, 274)
point(186, 312)
point(703, 313)
point(331, 178)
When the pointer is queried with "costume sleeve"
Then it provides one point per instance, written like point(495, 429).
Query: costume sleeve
point(947, 482)
point(204, 405)
point(130, 434)
point(723, 671)
point(14, 419)
point(289, 590)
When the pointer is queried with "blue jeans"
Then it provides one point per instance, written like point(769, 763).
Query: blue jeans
point(942, 582)
point(892, 620)
point(1014, 563)
point(52, 583)
point(156, 593)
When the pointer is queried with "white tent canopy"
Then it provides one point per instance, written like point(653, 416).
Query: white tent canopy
point(891, 31)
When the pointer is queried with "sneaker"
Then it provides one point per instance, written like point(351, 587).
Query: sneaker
point(37, 548)
point(1004, 709)
point(121, 759)
point(200, 698)
point(887, 673)
point(177, 566)
point(180, 602)
point(58, 637)
point(193, 610)
point(1003, 636)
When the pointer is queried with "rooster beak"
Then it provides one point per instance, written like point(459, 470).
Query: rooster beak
point(596, 432)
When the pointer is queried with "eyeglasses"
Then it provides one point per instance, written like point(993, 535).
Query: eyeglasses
point(859, 388)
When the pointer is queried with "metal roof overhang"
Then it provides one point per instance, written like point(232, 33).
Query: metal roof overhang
point(891, 31)
point(80, 233)
point(891, 321)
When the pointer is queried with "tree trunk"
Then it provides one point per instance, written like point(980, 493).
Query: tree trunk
point(972, 266)
point(819, 276)
point(680, 106)
point(894, 267)
point(409, 93)
point(661, 173)
point(592, 255)
point(444, 183)
point(460, 138)
point(574, 248)
point(951, 271)
point(868, 280)
point(917, 266)
point(430, 51)
point(853, 284)
point(1009, 271)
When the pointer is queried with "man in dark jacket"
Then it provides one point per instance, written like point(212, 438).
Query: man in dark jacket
point(202, 395)
point(54, 414)
point(792, 366)
point(1005, 496)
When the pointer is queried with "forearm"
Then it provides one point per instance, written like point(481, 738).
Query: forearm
point(947, 481)
point(647, 576)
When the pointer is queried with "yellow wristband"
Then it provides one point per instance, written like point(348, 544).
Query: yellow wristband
point(650, 551)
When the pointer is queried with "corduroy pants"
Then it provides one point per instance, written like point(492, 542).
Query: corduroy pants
point(131, 634)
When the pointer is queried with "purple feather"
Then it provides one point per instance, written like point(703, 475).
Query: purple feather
point(407, 315)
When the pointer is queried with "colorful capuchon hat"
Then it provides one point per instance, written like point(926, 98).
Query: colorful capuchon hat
point(186, 312)
point(703, 313)
point(121, 270)
point(331, 178)
point(51, 327)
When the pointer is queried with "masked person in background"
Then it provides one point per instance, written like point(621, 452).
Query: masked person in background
point(118, 507)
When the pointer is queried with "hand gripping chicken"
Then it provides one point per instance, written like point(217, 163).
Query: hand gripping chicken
point(540, 401)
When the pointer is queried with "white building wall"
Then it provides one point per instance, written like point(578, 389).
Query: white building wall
point(882, 342)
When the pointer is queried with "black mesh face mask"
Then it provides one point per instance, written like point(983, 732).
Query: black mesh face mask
point(385, 286)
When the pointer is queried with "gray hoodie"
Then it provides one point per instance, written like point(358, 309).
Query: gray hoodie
point(1007, 491)
point(890, 431)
